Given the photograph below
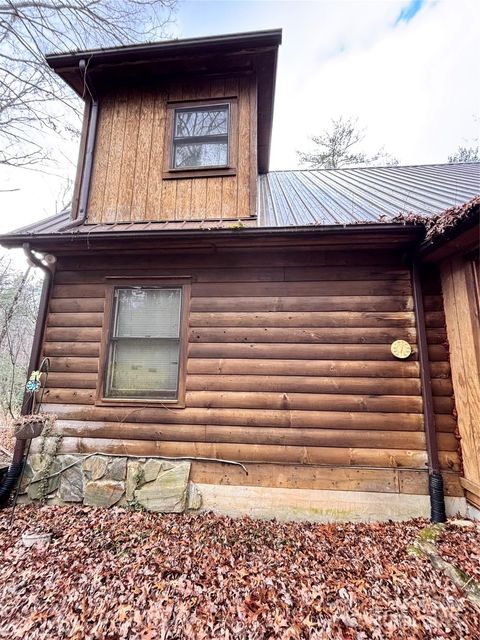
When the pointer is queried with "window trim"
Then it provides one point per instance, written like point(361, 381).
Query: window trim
point(170, 172)
point(113, 282)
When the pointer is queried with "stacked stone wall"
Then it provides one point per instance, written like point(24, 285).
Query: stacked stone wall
point(105, 481)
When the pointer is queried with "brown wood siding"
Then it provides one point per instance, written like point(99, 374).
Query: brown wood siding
point(128, 183)
point(460, 291)
point(288, 363)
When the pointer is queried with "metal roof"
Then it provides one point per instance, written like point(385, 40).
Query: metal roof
point(314, 198)
point(363, 195)
point(61, 223)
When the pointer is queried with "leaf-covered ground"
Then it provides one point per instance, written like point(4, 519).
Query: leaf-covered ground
point(122, 574)
point(6, 444)
point(461, 547)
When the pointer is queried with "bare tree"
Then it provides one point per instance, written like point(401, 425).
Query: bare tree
point(469, 151)
point(19, 294)
point(9, 310)
point(466, 154)
point(32, 99)
point(337, 146)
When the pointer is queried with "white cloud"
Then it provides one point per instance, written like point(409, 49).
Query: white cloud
point(415, 85)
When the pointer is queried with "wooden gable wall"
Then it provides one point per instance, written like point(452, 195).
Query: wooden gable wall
point(128, 184)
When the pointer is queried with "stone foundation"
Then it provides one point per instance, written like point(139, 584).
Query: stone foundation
point(104, 481)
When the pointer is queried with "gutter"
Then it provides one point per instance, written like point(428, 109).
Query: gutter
point(81, 213)
point(15, 469)
point(411, 232)
point(435, 480)
point(193, 46)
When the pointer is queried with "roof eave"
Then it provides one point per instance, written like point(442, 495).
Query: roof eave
point(460, 239)
point(147, 51)
point(397, 233)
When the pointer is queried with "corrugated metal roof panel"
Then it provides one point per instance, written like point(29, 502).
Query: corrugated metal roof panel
point(60, 223)
point(328, 197)
point(366, 194)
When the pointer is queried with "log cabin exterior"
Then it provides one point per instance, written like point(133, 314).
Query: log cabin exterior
point(278, 296)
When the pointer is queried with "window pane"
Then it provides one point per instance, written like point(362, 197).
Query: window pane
point(201, 122)
point(143, 313)
point(204, 154)
point(143, 369)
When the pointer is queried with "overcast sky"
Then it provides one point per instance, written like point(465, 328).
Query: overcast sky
point(408, 70)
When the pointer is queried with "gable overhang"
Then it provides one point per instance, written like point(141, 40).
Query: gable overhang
point(254, 52)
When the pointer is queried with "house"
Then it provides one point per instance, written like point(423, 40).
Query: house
point(224, 337)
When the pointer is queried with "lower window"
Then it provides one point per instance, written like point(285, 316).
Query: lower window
point(143, 359)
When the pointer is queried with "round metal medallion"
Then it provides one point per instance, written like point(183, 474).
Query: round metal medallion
point(401, 349)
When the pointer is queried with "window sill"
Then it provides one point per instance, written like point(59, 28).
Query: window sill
point(141, 403)
point(175, 174)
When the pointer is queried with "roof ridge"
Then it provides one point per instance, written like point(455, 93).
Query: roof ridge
point(392, 167)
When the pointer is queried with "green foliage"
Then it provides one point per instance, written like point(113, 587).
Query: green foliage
point(431, 533)
point(135, 505)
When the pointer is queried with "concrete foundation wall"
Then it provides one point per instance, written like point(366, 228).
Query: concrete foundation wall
point(319, 505)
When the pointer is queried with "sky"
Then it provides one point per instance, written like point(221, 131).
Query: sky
point(408, 70)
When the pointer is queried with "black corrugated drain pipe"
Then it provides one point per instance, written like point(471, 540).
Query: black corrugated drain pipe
point(435, 480)
point(15, 469)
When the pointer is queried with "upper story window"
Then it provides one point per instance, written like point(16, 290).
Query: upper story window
point(200, 137)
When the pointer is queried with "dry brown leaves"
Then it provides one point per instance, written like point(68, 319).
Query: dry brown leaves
point(461, 546)
point(441, 223)
point(7, 443)
point(122, 574)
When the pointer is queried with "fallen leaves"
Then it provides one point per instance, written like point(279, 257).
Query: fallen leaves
point(7, 443)
point(113, 574)
point(460, 545)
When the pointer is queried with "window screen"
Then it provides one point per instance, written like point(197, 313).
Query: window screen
point(143, 359)
point(200, 137)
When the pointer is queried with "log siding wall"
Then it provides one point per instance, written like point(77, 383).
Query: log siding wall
point(289, 369)
point(130, 149)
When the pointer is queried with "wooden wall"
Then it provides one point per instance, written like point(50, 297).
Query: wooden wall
point(461, 310)
point(289, 369)
point(127, 182)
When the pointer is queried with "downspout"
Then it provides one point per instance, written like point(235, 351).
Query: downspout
point(435, 480)
point(18, 461)
point(89, 149)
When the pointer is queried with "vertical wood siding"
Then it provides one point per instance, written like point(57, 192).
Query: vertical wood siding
point(464, 339)
point(289, 363)
point(127, 180)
